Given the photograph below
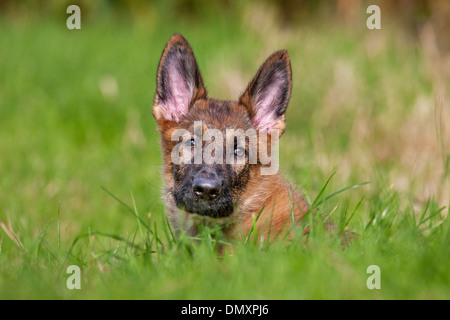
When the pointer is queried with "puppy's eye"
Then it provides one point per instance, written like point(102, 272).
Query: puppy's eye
point(239, 152)
point(190, 143)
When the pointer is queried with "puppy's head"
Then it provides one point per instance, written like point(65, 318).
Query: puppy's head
point(217, 165)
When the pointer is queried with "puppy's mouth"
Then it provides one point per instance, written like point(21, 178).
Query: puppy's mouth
point(207, 208)
point(217, 208)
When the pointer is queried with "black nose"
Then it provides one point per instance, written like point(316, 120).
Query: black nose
point(206, 189)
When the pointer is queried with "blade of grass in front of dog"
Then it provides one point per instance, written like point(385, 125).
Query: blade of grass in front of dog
point(136, 214)
point(341, 190)
point(169, 227)
point(313, 205)
point(292, 209)
point(269, 230)
point(292, 213)
point(129, 209)
point(106, 235)
point(317, 201)
point(157, 238)
point(331, 212)
point(253, 225)
point(353, 213)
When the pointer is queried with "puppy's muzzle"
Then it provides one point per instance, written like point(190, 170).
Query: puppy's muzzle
point(207, 186)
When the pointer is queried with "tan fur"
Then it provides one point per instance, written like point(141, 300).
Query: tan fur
point(276, 202)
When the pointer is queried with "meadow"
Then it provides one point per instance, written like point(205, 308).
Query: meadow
point(367, 140)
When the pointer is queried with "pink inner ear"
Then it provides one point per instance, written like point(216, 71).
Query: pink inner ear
point(177, 105)
point(265, 107)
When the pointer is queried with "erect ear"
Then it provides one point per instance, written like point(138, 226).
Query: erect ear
point(179, 82)
point(267, 95)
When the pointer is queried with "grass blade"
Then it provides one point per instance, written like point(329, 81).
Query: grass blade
point(129, 209)
point(253, 225)
point(342, 190)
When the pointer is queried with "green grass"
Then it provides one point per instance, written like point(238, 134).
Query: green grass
point(80, 164)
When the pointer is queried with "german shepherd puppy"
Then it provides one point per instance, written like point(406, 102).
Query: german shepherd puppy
point(236, 196)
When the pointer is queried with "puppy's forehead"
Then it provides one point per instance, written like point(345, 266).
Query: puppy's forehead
point(218, 114)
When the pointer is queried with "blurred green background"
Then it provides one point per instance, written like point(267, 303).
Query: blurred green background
point(75, 116)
